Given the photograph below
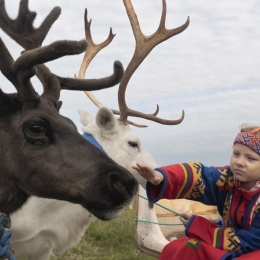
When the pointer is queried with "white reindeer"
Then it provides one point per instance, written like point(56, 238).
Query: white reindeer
point(43, 226)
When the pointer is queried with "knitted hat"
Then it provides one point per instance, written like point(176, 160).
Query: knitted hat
point(250, 139)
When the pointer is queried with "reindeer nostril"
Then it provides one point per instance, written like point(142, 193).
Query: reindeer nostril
point(117, 184)
point(119, 187)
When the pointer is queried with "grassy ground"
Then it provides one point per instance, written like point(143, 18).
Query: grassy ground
point(108, 240)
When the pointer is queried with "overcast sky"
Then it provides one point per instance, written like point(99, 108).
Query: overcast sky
point(211, 70)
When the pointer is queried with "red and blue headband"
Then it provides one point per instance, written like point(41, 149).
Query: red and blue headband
point(250, 139)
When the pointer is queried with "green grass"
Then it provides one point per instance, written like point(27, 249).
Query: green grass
point(108, 240)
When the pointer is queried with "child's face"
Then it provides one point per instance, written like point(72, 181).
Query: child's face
point(245, 165)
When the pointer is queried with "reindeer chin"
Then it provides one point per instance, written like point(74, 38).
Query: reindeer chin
point(108, 215)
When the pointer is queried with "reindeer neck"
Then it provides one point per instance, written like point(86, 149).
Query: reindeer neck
point(11, 197)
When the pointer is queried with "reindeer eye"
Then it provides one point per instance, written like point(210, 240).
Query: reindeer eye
point(36, 129)
point(133, 144)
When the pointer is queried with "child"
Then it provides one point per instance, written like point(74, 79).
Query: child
point(234, 189)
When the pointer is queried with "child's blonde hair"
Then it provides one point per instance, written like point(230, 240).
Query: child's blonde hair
point(248, 128)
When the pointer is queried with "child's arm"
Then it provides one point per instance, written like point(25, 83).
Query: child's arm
point(225, 238)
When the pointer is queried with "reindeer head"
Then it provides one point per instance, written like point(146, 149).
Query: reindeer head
point(42, 153)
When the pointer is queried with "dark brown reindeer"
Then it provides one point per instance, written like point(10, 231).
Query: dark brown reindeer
point(42, 153)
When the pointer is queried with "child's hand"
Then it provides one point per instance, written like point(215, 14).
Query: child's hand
point(149, 174)
point(185, 219)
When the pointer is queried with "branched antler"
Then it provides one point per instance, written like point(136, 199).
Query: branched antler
point(144, 45)
point(93, 48)
point(91, 52)
point(22, 31)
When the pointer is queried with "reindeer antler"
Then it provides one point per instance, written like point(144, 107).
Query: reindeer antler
point(90, 53)
point(20, 71)
point(93, 48)
point(22, 31)
point(144, 45)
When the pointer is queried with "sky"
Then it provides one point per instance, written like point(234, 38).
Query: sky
point(211, 70)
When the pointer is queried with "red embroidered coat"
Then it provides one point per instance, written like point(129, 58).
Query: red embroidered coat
point(238, 236)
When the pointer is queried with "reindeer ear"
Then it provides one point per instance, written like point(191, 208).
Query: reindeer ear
point(106, 120)
point(85, 117)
